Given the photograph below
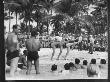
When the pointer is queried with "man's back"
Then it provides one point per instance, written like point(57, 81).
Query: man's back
point(93, 69)
point(12, 42)
point(33, 44)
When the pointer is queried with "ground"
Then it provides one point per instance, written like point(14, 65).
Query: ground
point(45, 65)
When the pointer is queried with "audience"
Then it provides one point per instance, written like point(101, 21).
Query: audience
point(93, 69)
point(84, 66)
point(66, 69)
point(77, 63)
point(103, 64)
point(54, 69)
point(22, 63)
point(72, 67)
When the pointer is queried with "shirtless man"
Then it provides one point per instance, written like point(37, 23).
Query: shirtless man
point(33, 46)
point(12, 47)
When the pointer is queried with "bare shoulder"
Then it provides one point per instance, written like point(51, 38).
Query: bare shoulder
point(36, 40)
point(12, 36)
point(27, 40)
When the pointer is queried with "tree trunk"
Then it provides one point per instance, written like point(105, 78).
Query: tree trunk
point(29, 27)
point(47, 26)
point(26, 26)
point(75, 29)
point(16, 18)
point(9, 21)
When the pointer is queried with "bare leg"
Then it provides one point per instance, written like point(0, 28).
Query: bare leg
point(53, 52)
point(29, 65)
point(36, 63)
point(5, 61)
point(13, 66)
point(61, 48)
point(68, 50)
point(24, 61)
point(53, 47)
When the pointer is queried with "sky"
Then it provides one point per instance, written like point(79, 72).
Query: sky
point(13, 21)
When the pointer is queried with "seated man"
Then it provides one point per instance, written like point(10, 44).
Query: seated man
point(77, 63)
point(33, 45)
point(72, 67)
point(22, 63)
point(93, 69)
point(66, 69)
point(103, 64)
point(84, 66)
point(54, 69)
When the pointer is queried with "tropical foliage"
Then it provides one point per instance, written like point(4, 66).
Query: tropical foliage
point(69, 16)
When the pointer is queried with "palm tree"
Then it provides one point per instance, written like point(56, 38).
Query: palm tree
point(57, 21)
point(100, 15)
point(28, 6)
point(47, 6)
point(71, 9)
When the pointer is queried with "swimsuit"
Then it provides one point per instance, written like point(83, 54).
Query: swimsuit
point(11, 55)
point(32, 55)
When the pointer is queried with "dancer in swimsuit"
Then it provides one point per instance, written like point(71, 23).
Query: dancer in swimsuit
point(69, 43)
point(58, 41)
point(12, 46)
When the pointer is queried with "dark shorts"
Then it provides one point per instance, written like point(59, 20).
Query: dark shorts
point(11, 55)
point(32, 55)
point(71, 41)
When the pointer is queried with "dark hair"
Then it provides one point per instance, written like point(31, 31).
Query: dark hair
point(66, 66)
point(14, 26)
point(4, 27)
point(93, 61)
point(71, 64)
point(54, 67)
point(102, 61)
point(25, 52)
point(85, 62)
point(34, 33)
point(77, 61)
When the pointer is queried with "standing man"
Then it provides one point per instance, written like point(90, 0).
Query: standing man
point(12, 47)
point(91, 39)
point(80, 42)
point(33, 46)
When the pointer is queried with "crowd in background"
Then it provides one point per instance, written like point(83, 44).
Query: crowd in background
point(100, 41)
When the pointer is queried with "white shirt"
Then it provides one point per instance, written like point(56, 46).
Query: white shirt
point(80, 39)
point(21, 50)
point(58, 38)
point(92, 40)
